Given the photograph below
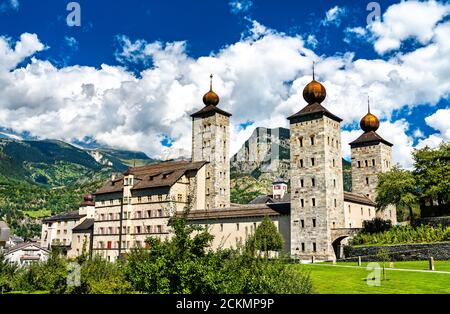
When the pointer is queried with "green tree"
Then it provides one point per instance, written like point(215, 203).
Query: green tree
point(7, 271)
point(432, 172)
point(397, 187)
point(266, 237)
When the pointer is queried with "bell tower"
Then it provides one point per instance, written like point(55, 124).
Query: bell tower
point(317, 198)
point(371, 155)
point(211, 143)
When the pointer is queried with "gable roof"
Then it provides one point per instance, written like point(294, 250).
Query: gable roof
point(209, 111)
point(369, 138)
point(73, 215)
point(24, 246)
point(358, 198)
point(240, 211)
point(163, 174)
point(84, 227)
point(312, 111)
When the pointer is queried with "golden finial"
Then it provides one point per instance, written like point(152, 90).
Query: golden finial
point(368, 104)
point(210, 98)
point(210, 82)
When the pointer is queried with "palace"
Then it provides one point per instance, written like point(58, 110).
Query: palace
point(315, 218)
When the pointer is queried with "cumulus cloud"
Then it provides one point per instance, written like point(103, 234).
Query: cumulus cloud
point(440, 122)
point(26, 46)
point(409, 19)
point(260, 78)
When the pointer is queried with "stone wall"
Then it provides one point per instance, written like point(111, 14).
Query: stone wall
point(401, 252)
point(436, 221)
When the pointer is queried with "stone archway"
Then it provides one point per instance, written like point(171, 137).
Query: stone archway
point(338, 248)
point(338, 235)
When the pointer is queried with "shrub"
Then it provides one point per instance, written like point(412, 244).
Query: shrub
point(376, 225)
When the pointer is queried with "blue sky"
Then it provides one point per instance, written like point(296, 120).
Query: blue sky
point(138, 39)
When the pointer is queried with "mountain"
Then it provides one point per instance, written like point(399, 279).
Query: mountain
point(55, 163)
point(263, 158)
point(265, 154)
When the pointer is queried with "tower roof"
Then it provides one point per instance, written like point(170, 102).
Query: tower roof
point(313, 93)
point(369, 124)
point(312, 111)
point(211, 100)
point(368, 139)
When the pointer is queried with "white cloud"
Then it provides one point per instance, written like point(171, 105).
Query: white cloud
point(334, 16)
point(240, 6)
point(71, 42)
point(9, 4)
point(354, 32)
point(259, 78)
point(440, 121)
point(27, 46)
point(407, 19)
point(312, 41)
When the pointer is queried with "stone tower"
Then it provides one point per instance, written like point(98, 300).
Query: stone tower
point(317, 197)
point(371, 155)
point(211, 143)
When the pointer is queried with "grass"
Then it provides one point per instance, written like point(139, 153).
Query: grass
point(38, 214)
point(330, 279)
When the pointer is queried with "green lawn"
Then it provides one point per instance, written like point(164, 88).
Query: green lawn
point(332, 279)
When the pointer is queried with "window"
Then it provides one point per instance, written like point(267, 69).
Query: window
point(313, 182)
point(180, 197)
point(312, 161)
point(301, 141)
point(149, 213)
point(362, 211)
point(160, 198)
point(312, 139)
point(367, 181)
point(334, 163)
point(159, 228)
point(109, 244)
point(334, 225)
point(369, 212)
point(302, 202)
point(301, 183)
point(334, 182)
point(221, 227)
point(313, 202)
point(314, 223)
point(237, 227)
point(366, 163)
point(373, 162)
point(160, 213)
point(359, 164)
point(139, 199)
point(303, 247)
point(314, 247)
point(349, 209)
point(303, 223)
point(335, 202)
point(138, 229)
point(301, 163)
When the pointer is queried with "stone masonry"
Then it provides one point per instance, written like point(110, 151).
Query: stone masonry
point(211, 143)
point(317, 186)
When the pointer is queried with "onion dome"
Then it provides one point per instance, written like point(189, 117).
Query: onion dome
point(89, 198)
point(314, 92)
point(369, 122)
point(211, 98)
